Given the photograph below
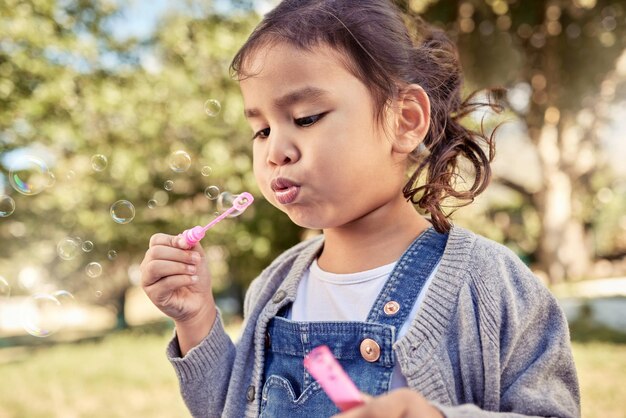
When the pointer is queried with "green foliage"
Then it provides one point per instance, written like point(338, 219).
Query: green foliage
point(73, 90)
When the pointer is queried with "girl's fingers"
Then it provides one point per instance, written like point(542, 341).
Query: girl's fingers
point(162, 252)
point(155, 270)
point(177, 241)
point(168, 285)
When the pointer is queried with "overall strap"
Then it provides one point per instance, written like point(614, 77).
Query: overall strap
point(397, 298)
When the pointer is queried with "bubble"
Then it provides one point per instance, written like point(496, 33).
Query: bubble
point(63, 296)
point(87, 246)
point(206, 171)
point(41, 315)
point(112, 255)
point(225, 202)
point(179, 161)
point(152, 203)
point(168, 185)
point(122, 211)
point(5, 288)
point(99, 162)
point(67, 248)
point(32, 176)
point(70, 175)
point(78, 240)
point(212, 107)
point(93, 270)
point(98, 293)
point(7, 206)
point(212, 192)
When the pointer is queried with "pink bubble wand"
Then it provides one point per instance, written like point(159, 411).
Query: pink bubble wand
point(195, 234)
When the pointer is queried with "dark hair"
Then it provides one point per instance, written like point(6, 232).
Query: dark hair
point(385, 57)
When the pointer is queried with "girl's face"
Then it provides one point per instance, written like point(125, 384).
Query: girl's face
point(319, 154)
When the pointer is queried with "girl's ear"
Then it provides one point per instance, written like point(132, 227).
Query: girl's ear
point(412, 118)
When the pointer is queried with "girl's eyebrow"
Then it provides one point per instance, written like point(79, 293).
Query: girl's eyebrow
point(307, 93)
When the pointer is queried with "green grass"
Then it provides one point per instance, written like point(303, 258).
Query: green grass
point(127, 375)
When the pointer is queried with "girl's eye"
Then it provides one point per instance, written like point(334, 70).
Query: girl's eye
point(309, 120)
point(263, 133)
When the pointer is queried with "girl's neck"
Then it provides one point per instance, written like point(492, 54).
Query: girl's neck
point(370, 242)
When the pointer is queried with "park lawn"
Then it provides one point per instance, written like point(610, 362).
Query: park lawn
point(127, 375)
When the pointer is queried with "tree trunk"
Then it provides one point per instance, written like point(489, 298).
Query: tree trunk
point(563, 251)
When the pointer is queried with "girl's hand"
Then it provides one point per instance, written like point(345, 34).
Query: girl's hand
point(400, 403)
point(177, 280)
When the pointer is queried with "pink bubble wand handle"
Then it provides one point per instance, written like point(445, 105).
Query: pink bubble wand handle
point(195, 234)
point(325, 368)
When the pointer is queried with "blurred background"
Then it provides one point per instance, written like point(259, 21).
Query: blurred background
point(119, 120)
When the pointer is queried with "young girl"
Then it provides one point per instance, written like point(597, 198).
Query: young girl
point(428, 319)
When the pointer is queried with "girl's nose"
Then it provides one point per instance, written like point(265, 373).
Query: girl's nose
point(282, 150)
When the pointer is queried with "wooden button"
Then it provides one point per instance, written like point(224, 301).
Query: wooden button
point(250, 393)
point(370, 350)
point(391, 308)
point(278, 296)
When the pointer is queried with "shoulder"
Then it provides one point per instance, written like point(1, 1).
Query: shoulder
point(490, 262)
point(504, 289)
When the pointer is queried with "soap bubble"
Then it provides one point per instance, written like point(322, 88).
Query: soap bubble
point(212, 192)
point(112, 255)
point(32, 176)
point(7, 206)
point(5, 288)
point(42, 315)
point(93, 270)
point(168, 185)
point(87, 246)
point(98, 293)
point(152, 203)
point(122, 211)
point(225, 202)
point(99, 162)
point(212, 107)
point(63, 296)
point(206, 171)
point(70, 175)
point(179, 161)
point(67, 248)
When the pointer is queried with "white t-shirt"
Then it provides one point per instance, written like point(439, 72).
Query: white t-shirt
point(324, 296)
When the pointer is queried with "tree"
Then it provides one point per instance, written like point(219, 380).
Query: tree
point(75, 92)
point(561, 58)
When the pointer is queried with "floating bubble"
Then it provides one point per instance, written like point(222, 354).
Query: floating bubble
point(225, 202)
point(87, 246)
point(32, 176)
point(206, 171)
point(152, 203)
point(63, 296)
point(5, 288)
point(122, 211)
point(78, 240)
point(212, 192)
point(168, 185)
point(99, 162)
point(212, 107)
point(93, 269)
point(7, 206)
point(112, 255)
point(70, 175)
point(42, 315)
point(179, 161)
point(98, 293)
point(67, 248)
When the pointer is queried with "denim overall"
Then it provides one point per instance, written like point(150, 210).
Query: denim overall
point(364, 349)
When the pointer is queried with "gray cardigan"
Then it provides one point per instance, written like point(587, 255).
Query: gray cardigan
point(489, 339)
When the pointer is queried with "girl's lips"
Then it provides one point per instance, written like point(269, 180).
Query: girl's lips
point(287, 195)
point(285, 190)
